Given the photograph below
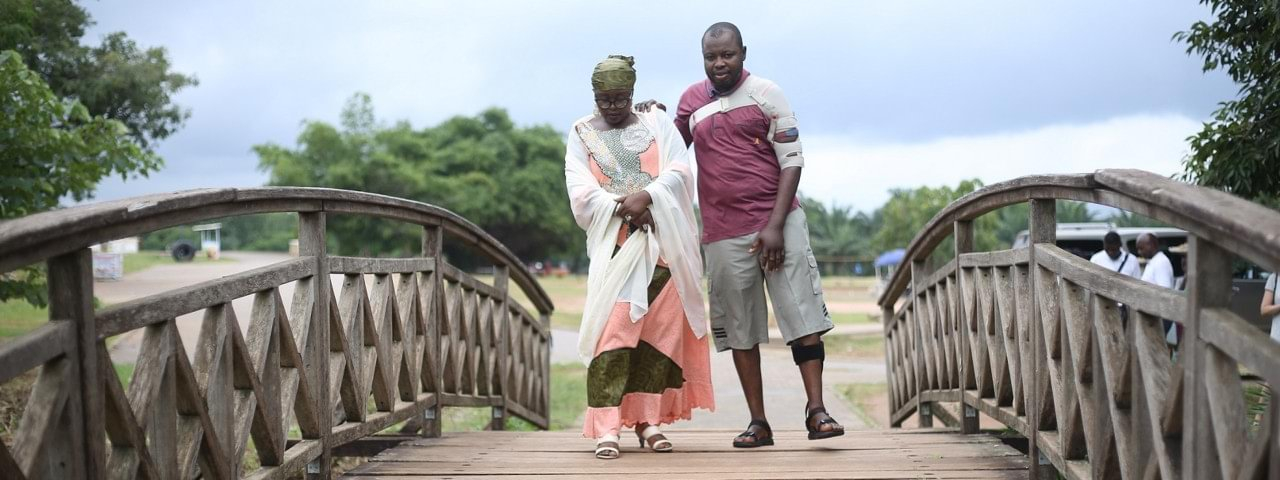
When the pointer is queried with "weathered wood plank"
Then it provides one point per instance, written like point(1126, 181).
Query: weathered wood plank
point(34, 348)
point(1241, 342)
point(998, 258)
point(706, 454)
point(338, 264)
point(160, 307)
point(39, 422)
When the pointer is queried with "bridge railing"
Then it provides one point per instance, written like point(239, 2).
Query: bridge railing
point(300, 378)
point(1034, 337)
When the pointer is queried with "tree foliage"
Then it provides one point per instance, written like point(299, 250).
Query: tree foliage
point(838, 231)
point(1239, 149)
point(116, 79)
point(908, 210)
point(508, 180)
point(53, 147)
point(71, 115)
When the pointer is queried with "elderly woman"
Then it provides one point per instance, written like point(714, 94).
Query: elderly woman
point(631, 189)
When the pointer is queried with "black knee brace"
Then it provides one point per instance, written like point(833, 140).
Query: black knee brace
point(804, 353)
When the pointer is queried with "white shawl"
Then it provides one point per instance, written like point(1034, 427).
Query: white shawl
point(625, 277)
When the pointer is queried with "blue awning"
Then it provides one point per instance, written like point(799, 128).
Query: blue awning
point(891, 257)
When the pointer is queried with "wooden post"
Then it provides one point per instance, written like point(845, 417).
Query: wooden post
point(311, 242)
point(432, 246)
point(1208, 286)
point(963, 236)
point(886, 312)
point(71, 300)
point(1043, 226)
point(498, 418)
point(918, 275)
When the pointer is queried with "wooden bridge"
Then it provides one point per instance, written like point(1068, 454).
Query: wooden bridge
point(368, 365)
point(1034, 337)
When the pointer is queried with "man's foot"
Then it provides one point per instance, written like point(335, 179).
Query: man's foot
point(758, 434)
point(820, 424)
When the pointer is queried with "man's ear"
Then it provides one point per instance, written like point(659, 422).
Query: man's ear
point(744, 53)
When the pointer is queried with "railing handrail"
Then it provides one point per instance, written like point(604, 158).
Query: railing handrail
point(1249, 229)
point(38, 237)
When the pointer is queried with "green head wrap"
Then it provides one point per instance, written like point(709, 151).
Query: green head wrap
point(615, 73)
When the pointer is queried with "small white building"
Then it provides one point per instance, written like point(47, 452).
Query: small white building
point(123, 245)
point(210, 239)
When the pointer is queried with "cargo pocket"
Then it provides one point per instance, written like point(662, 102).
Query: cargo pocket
point(814, 277)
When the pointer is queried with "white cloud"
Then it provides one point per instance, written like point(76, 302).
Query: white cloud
point(848, 171)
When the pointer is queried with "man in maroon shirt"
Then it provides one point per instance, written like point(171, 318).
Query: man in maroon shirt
point(747, 144)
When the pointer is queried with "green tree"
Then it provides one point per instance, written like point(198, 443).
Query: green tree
point(908, 210)
point(73, 114)
point(116, 79)
point(53, 148)
point(1013, 219)
point(508, 180)
point(1238, 150)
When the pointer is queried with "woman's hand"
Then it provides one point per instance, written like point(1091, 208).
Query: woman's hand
point(634, 208)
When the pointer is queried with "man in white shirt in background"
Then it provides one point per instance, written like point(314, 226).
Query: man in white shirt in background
point(1113, 258)
point(1159, 271)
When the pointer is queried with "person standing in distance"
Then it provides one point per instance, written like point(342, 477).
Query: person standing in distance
point(747, 144)
point(1113, 258)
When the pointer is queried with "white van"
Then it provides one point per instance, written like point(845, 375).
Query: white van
point(1085, 239)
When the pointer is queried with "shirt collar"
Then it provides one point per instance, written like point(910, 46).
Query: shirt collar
point(711, 88)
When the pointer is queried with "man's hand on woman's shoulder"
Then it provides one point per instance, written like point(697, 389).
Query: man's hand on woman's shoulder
point(648, 104)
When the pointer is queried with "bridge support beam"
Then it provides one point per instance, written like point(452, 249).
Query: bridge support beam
point(311, 242)
point(918, 275)
point(71, 300)
point(432, 247)
point(1043, 228)
point(962, 234)
point(1208, 286)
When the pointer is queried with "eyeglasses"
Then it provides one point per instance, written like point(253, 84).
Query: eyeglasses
point(614, 103)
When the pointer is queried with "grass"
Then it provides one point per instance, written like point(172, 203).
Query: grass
point(18, 317)
point(862, 397)
point(137, 262)
point(856, 346)
point(568, 401)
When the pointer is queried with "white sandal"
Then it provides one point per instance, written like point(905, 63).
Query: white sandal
point(607, 447)
point(661, 445)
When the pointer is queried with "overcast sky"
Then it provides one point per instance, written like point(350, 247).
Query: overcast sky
point(889, 93)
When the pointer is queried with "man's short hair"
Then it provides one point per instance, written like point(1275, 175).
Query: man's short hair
point(716, 30)
point(1111, 238)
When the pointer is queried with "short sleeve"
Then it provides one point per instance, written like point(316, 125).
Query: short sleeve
point(1271, 283)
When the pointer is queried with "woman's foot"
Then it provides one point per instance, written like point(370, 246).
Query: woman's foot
point(607, 447)
point(758, 434)
point(820, 424)
point(655, 440)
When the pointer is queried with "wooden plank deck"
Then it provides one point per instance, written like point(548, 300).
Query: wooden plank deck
point(704, 454)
